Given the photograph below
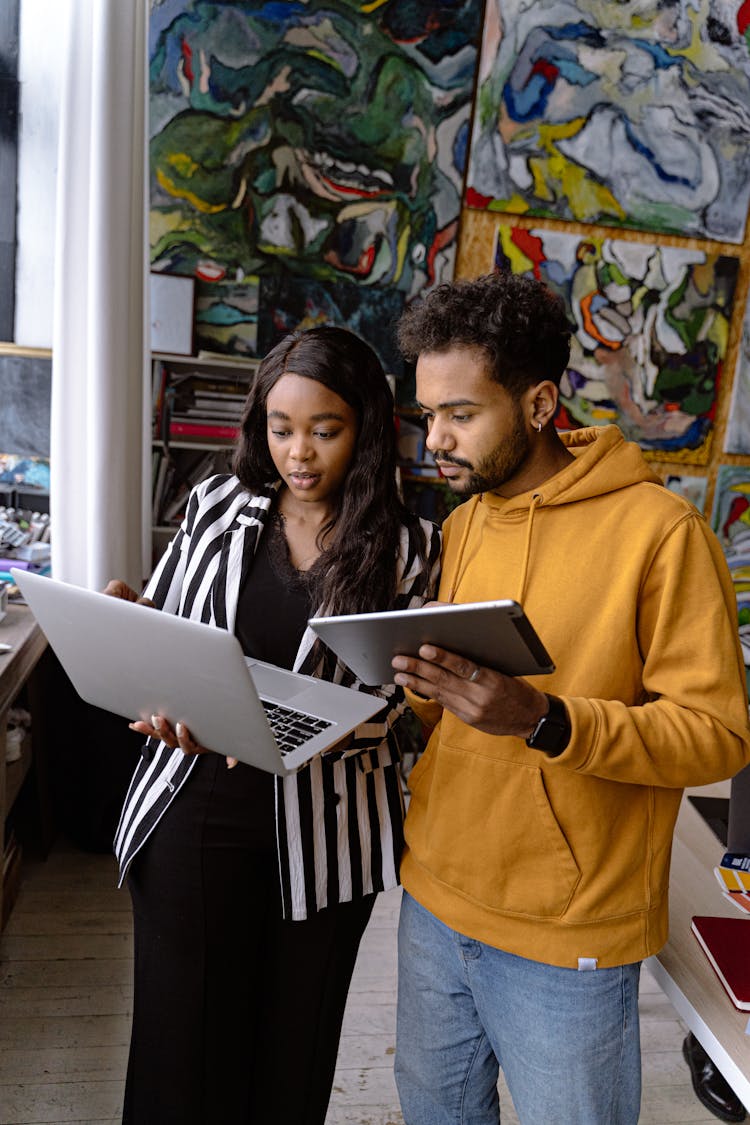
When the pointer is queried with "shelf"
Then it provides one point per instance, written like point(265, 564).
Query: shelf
point(198, 388)
point(183, 443)
point(197, 362)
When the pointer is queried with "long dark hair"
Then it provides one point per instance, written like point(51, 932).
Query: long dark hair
point(357, 572)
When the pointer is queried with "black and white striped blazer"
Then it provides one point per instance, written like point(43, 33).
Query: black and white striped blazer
point(339, 819)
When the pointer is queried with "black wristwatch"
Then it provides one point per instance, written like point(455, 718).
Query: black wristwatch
point(552, 733)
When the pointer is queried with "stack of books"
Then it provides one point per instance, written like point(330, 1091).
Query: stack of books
point(197, 407)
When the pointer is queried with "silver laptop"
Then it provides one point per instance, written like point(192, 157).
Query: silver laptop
point(495, 634)
point(137, 662)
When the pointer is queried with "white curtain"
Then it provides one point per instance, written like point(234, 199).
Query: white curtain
point(98, 455)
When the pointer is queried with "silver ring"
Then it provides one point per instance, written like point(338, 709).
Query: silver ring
point(472, 679)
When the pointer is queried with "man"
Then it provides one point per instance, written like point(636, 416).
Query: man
point(541, 817)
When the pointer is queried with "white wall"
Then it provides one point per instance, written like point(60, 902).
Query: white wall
point(41, 35)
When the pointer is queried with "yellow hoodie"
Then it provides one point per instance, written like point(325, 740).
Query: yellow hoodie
point(557, 859)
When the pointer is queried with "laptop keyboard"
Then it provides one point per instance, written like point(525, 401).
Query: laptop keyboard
point(292, 728)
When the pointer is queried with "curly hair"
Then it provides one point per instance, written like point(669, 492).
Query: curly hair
point(517, 321)
point(357, 571)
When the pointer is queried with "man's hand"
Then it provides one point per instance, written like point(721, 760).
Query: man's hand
point(485, 699)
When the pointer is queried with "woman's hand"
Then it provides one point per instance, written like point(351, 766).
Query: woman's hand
point(116, 588)
point(161, 728)
point(174, 737)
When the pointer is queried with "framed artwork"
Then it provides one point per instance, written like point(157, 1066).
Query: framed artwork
point(651, 326)
point(324, 140)
point(19, 470)
point(288, 303)
point(693, 488)
point(730, 520)
point(737, 434)
point(625, 114)
point(226, 316)
point(172, 303)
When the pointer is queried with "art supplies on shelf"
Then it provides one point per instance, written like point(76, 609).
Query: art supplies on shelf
point(24, 542)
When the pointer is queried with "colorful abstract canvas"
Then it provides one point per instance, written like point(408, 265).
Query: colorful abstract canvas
point(318, 139)
point(33, 472)
point(731, 522)
point(226, 316)
point(737, 435)
point(621, 113)
point(289, 303)
point(692, 488)
point(651, 325)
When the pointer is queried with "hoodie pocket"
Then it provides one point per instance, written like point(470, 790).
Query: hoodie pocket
point(487, 829)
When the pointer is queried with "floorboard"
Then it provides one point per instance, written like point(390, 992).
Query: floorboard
point(65, 1003)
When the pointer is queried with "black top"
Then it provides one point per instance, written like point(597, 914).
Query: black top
point(275, 601)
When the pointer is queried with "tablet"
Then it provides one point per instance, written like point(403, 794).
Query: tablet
point(495, 634)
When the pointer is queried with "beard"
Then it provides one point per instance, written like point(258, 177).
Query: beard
point(500, 464)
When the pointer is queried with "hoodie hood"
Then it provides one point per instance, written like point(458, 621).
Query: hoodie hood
point(604, 462)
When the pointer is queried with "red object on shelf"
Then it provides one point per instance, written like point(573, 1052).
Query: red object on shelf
point(199, 429)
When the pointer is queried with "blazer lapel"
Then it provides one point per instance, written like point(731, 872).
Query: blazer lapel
point(239, 544)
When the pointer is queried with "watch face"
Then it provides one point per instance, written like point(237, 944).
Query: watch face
point(548, 734)
point(553, 730)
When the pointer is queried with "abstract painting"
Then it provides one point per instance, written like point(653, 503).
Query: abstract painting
point(621, 113)
point(651, 325)
point(290, 303)
point(692, 488)
point(226, 316)
point(731, 522)
point(737, 436)
point(318, 139)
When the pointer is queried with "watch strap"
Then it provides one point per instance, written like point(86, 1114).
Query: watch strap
point(552, 733)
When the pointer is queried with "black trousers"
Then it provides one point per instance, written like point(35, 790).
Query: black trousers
point(237, 1013)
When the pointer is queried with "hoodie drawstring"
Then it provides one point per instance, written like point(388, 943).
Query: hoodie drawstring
point(457, 572)
point(536, 500)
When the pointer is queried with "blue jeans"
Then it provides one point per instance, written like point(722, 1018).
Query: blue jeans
point(568, 1041)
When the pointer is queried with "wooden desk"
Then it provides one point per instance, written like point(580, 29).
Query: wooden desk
point(20, 630)
point(682, 968)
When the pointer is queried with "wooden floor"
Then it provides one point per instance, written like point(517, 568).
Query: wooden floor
point(65, 994)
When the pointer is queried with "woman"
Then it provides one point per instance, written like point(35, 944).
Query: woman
point(251, 892)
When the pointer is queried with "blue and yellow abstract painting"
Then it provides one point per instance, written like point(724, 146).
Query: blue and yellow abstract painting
point(650, 332)
point(625, 114)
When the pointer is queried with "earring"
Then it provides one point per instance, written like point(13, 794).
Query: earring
point(539, 427)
